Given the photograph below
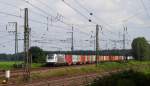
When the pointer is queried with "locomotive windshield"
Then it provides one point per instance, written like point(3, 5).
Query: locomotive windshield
point(50, 56)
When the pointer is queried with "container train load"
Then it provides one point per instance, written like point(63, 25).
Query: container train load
point(67, 59)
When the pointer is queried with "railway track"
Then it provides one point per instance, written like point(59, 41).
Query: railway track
point(18, 72)
point(73, 80)
point(78, 80)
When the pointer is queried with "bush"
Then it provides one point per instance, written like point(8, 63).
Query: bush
point(38, 55)
point(127, 78)
point(141, 49)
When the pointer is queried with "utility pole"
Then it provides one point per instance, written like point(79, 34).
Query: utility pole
point(47, 23)
point(93, 39)
point(97, 44)
point(72, 38)
point(72, 42)
point(16, 39)
point(124, 40)
point(27, 59)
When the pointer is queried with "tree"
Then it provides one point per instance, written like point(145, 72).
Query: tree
point(141, 49)
point(38, 55)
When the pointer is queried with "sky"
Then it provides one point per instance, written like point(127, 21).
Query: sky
point(51, 23)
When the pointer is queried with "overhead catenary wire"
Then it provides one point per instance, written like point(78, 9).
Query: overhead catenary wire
point(35, 21)
point(21, 17)
point(10, 5)
point(40, 22)
point(44, 12)
point(80, 13)
point(88, 13)
point(41, 2)
point(60, 14)
point(9, 41)
point(107, 25)
point(145, 8)
point(38, 8)
point(41, 10)
point(3, 36)
point(29, 19)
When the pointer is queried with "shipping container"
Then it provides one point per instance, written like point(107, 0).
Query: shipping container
point(68, 59)
point(75, 59)
point(88, 59)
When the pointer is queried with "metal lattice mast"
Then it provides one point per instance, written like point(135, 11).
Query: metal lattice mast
point(97, 43)
point(72, 38)
point(124, 40)
point(27, 59)
point(16, 40)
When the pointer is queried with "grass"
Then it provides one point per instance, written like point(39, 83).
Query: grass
point(9, 65)
point(80, 70)
point(6, 65)
point(139, 75)
point(102, 67)
point(64, 72)
point(126, 78)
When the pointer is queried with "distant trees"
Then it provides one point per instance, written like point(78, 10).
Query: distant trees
point(38, 55)
point(141, 49)
point(11, 57)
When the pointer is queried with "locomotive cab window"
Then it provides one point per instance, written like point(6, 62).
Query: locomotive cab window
point(50, 57)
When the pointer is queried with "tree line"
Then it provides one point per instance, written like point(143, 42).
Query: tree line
point(11, 57)
point(37, 54)
point(141, 49)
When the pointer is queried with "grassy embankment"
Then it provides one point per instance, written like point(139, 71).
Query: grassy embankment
point(139, 75)
point(108, 66)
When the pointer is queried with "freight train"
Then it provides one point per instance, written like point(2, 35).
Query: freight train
point(57, 59)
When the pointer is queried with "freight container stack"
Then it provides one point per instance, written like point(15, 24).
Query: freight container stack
point(79, 59)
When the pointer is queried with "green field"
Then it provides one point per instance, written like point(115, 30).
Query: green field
point(9, 65)
point(6, 65)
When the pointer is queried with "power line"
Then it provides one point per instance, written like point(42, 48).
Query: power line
point(9, 14)
point(41, 2)
point(63, 16)
point(43, 11)
point(7, 41)
point(145, 8)
point(22, 9)
point(42, 22)
point(36, 21)
point(57, 12)
point(81, 5)
point(95, 17)
point(38, 13)
point(8, 4)
point(4, 36)
point(76, 10)
point(37, 8)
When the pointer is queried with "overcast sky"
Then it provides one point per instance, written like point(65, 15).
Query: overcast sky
point(112, 15)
